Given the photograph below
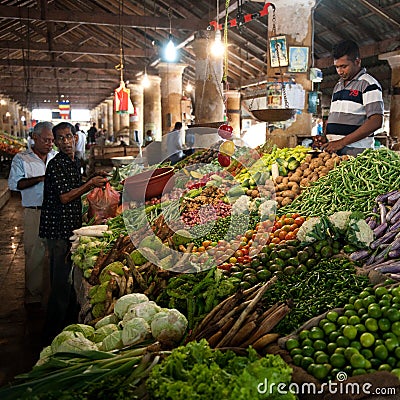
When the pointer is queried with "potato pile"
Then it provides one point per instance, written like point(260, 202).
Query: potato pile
point(310, 170)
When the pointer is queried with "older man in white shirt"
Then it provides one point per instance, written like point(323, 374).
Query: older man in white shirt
point(27, 176)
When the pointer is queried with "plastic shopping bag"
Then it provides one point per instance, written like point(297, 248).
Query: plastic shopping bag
point(103, 203)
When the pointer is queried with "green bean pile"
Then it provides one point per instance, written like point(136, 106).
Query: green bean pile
point(351, 186)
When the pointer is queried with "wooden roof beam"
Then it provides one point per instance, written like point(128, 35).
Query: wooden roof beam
point(75, 49)
point(77, 17)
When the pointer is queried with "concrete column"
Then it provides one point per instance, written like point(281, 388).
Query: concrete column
point(110, 119)
point(209, 106)
point(233, 111)
point(104, 112)
point(152, 107)
point(393, 59)
point(116, 123)
point(14, 118)
point(171, 94)
point(136, 119)
point(297, 34)
point(3, 104)
point(8, 116)
point(22, 122)
point(28, 119)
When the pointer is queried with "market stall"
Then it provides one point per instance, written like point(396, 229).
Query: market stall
point(244, 269)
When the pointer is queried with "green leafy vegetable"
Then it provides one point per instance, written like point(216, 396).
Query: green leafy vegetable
point(195, 371)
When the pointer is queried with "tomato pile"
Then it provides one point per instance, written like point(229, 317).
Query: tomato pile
point(284, 228)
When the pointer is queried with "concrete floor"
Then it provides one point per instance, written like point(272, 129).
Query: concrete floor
point(20, 328)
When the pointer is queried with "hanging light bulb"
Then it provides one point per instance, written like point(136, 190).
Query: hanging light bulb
point(189, 88)
point(170, 50)
point(217, 47)
point(145, 80)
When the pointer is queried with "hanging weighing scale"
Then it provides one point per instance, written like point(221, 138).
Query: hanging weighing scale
point(275, 114)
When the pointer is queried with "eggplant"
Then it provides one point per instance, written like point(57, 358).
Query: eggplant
point(387, 237)
point(395, 218)
point(395, 245)
point(393, 198)
point(379, 255)
point(394, 253)
point(383, 197)
point(382, 212)
point(395, 226)
point(395, 277)
point(394, 210)
point(380, 230)
point(372, 222)
point(380, 264)
point(359, 255)
point(394, 268)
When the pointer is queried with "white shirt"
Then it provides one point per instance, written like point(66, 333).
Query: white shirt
point(28, 165)
point(80, 145)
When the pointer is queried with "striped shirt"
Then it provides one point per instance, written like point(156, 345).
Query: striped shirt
point(352, 105)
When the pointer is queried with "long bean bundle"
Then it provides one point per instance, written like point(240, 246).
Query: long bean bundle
point(351, 186)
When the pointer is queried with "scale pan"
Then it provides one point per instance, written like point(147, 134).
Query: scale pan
point(274, 114)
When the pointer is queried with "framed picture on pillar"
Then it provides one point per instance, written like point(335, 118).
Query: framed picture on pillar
point(298, 59)
point(278, 51)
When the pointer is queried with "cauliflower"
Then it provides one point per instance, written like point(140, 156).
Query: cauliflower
point(339, 221)
point(305, 233)
point(358, 232)
point(268, 208)
point(241, 205)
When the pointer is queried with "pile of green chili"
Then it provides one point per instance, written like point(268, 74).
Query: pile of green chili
point(351, 186)
point(329, 285)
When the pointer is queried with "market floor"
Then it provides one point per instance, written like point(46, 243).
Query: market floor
point(20, 329)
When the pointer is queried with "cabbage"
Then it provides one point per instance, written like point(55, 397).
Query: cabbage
point(86, 330)
point(62, 337)
point(108, 319)
point(101, 333)
point(44, 356)
point(135, 331)
point(122, 304)
point(146, 310)
point(169, 326)
point(76, 345)
point(112, 342)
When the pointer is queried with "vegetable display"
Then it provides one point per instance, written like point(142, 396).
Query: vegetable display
point(210, 264)
point(351, 186)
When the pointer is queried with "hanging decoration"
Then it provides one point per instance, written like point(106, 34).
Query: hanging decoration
point(122, 98)
point(64, 108)
point(241, 19)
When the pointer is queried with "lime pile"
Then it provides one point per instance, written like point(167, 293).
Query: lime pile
point(364, 339)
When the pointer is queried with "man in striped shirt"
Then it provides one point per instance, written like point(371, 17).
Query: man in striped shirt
point(357, 105)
